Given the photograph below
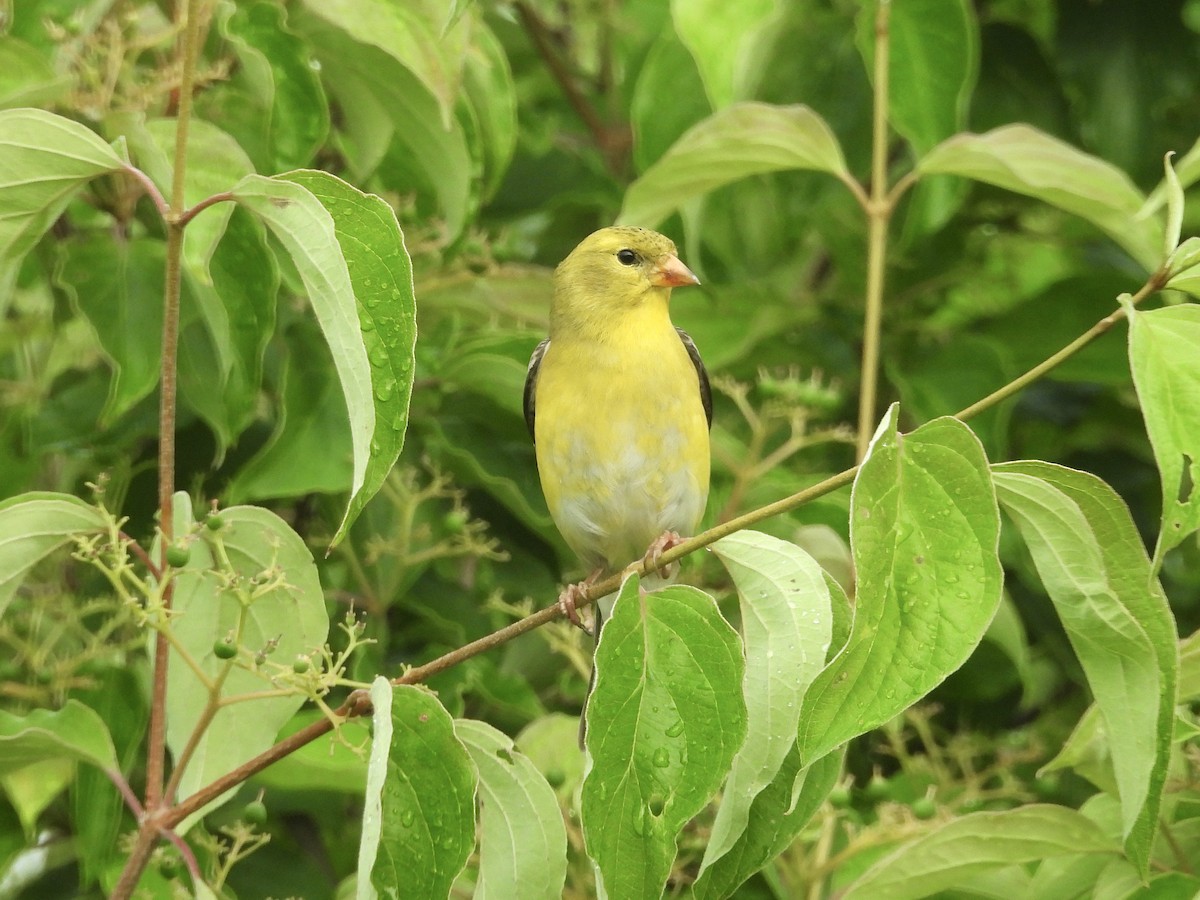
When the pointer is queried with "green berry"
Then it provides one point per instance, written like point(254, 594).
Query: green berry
point(214, 522)
point(924, 808)
point(255, 813)
point(877, 789)
point(301, 665)
point(178, 555)
point(168, 867)
point(839, 797)
point(225, 649)
point(455, 521)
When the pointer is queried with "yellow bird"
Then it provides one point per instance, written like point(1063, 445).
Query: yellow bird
point(619, 406)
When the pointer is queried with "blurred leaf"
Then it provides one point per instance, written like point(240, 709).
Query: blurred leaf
point(955, 853)
point(75, 732)
point(668, 99)
point(34, 525)
point(31, 788)
point(490, 100)
point(118, 287)
point(1027, 161)
point(293, 115)
point(381, 273)
point(933, 59)
point(382, 102)
point(777, 815)
point(272, 596)
point(787, 622)
point(1095, 569)
point(924, 529)
point(722, 38)
point(419, 817)
point(44, 159)
point(332, 763)
point(1189, 668)
point(543, 740)
point(26, 76)
point(415, 34)
point(664, 720)
point(309, 450)
point(1164, 354)
point(740, 140)
point(522, 839)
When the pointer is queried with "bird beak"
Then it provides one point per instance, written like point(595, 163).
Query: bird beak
point(672, 273)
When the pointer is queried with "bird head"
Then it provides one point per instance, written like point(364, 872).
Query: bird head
point(614, 270)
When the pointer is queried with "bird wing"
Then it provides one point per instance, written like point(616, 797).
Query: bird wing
point(693, 355)
point(531, 377)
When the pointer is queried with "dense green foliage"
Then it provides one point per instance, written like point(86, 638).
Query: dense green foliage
point(964, 675)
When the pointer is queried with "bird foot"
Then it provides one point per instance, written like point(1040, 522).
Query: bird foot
point(571, 595)
point(661, 545)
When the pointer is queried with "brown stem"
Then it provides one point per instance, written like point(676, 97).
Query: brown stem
point(139, 551)
point(204, 204)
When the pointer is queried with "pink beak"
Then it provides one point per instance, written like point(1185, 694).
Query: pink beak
point(672, 273)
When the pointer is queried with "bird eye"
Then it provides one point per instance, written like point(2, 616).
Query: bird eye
point(626, 257)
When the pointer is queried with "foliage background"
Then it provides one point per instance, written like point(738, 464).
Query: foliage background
point(502, 133)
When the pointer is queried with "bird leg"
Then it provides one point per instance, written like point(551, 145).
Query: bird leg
point(573, 594)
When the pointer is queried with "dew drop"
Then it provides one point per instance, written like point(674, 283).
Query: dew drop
point(675, 730)
point(662, 757)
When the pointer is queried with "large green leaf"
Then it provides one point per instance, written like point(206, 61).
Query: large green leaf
point(966, 848)
point(724, 40)
point(522, 840)
point(491, 98)
point(381, 275)
point(664, 720)
point(44, 159)
point(787, 623)
point(34, 525)
point(1164, 354)
point(1022, 159)
point(349, 251)
point(419, 815)
point(1095, 569)
point(74, 732)
point(266, 594)
point(26, 76)
point(743, 139)
point(118, 287)
point(924, 529)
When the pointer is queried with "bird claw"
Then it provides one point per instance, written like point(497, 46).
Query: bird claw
point(661, 545)
point(571, 595)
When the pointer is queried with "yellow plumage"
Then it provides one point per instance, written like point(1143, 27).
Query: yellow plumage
point(618, 401)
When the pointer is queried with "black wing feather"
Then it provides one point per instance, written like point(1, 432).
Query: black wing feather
point(531, 376)
point(701, 373)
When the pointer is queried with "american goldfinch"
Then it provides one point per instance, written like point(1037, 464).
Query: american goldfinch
point(619, 405)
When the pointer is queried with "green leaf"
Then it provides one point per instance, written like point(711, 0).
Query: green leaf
point(1095, 569)
point(383, 103)
point(1185, 267)
point(777, 815)
point(381, 274)
point(26, 76)
point(1022, 159)
point(740, 140)
point(924, 529)
point(270, 601)
point(1189, 668)
point(522, 840)
point(664, 721)
point(294, 112)
point(965, 848)
point(44, 159)
point(309, 234)
point(414, 34)
point(932, 65)
point(419, 816)
point(309, 450)
point(668, 71)
point(34, 525)
point(326, 764)
point(118, 287)
point(1164, 355)
point(725, 41)
point(491, 98)
point(787, 622)
point(74, 732)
